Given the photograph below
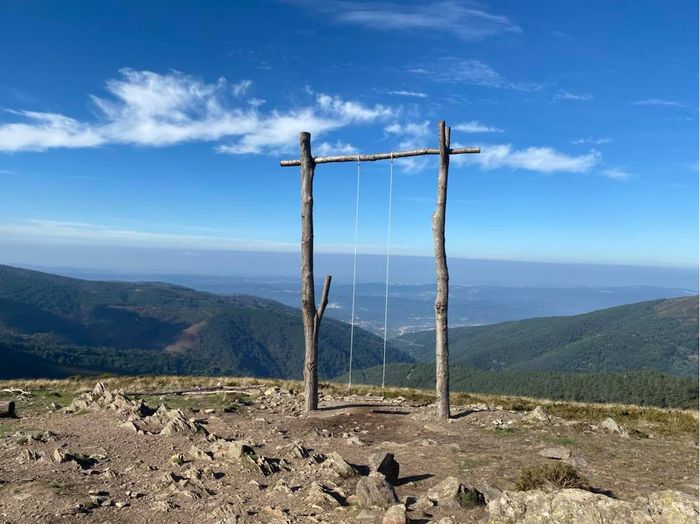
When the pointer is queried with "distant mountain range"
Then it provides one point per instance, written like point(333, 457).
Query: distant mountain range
point(660, 335)
point(56, 326)
point(411, 306)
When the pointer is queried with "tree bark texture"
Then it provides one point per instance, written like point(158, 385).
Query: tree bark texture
point(442, 371)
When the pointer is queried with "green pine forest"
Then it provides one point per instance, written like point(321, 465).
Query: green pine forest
point(54, 326)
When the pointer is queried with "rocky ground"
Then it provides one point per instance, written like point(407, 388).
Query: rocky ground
point(247, 454)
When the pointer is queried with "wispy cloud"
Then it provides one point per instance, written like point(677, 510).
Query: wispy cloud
point(8, 172)
point(42, 131)
point(476, 127)
point(408, 129)
point(402, 92)
point(151, 109)
point(86, 233)
point(568, 95)
point(462, 18)
point(472, 72)
point(657, 102)
point(337, 148)
point(616, 174)
point(61, 231)
point(411, 135)
point(241, 88)
point(538, 159)
point(591, 141)
point(278, 131)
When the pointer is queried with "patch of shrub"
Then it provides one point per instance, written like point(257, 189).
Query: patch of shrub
point(471, 498)
point(554, 474)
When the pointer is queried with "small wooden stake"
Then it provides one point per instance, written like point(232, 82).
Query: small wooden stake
point(442, 371)
point(7, 409)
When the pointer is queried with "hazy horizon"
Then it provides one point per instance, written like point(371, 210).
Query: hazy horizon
point(403, 269)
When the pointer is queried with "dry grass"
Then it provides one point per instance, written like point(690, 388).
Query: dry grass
point(667, 422)
point(554, 474)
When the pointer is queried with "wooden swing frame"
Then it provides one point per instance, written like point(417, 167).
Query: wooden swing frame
point(312, 316)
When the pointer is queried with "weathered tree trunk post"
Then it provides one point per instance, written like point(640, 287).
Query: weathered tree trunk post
point(442, 370)
point(310, 315)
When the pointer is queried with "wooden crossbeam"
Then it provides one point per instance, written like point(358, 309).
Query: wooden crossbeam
point(382, 156)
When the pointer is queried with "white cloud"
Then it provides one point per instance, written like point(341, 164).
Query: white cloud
point(616, 174)
point(590, 140)
point(412, 135)
point(472, 72)
point(241, 88)
point(568, 95)
point(462, 18)
point(46, 130)
point(403, 92)
point(409, 129)
point(152, 109)
point(256, 102)
point(538, 159)
point(478, 73)
point(657, 102)
point(338, 148)
point(476, 127)
point(352, 111)
point(278, 131)
point(148, 108)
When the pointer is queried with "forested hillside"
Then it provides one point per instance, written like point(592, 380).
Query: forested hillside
point(58, 326)
point(660, 335)
point(638, 387)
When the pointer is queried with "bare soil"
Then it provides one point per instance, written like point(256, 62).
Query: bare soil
point(483, 445)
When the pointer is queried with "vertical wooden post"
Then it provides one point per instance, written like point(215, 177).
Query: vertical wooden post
point(310, 315)
point(308, 299)
point(442, 370)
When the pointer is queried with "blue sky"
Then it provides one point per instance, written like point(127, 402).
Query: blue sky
point(161, 125)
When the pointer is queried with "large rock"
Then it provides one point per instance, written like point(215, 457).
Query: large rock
point(584, 507)
point(557, 453)
point(337, 463)
point(452, 493)
point(539, 414)
point(245, 455)
point(672, 507)
point(396, 515)
point(177, 422)
point(102, 398)
point(611, 426)
point(323, 496)
point(231, 449)
point(384, 463)
point(375, 491)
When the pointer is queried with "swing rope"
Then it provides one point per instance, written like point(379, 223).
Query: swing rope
point(354, 272)
point(386, 276)
point(386, 279)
